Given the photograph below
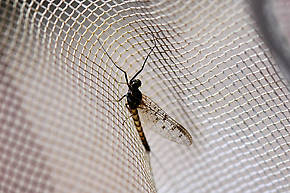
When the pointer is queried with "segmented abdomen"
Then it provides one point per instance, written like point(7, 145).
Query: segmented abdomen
point(139, 128)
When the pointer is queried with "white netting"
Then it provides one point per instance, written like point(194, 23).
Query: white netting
point(211, 71)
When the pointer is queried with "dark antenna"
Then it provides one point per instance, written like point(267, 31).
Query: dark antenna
point(145, 59)
point(126, 76)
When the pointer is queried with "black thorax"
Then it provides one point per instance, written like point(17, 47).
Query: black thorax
point(134, 95)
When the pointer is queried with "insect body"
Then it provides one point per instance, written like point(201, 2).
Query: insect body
point(161, 121)
point(134, 99)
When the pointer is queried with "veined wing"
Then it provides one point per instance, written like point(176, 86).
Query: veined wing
point(156, 118)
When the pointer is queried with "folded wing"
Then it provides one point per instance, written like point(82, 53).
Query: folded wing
point(156, 118)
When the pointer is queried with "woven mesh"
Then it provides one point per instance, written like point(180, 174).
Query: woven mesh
point(61, 131)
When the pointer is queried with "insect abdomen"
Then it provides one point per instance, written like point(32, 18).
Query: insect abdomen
point(139, 128)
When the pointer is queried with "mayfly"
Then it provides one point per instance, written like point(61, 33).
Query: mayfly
point(162, 122)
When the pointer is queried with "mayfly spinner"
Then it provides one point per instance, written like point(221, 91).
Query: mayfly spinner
point(162, 122)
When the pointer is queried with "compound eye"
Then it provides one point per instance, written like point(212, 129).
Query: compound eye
point(138, 82)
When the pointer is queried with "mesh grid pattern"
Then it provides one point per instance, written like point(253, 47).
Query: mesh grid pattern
point(61, 132)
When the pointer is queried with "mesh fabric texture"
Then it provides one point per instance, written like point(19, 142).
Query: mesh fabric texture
point(61, 131)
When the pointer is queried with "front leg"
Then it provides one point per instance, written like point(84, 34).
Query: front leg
point(121, 98)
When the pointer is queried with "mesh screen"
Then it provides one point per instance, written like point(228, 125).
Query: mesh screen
point(61, 130)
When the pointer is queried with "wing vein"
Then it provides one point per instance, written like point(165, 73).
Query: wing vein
point(162, 123)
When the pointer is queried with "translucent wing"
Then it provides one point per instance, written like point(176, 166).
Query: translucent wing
point(156, 118)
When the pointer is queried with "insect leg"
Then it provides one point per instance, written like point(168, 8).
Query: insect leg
point(119, 100)
point(127, 118)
